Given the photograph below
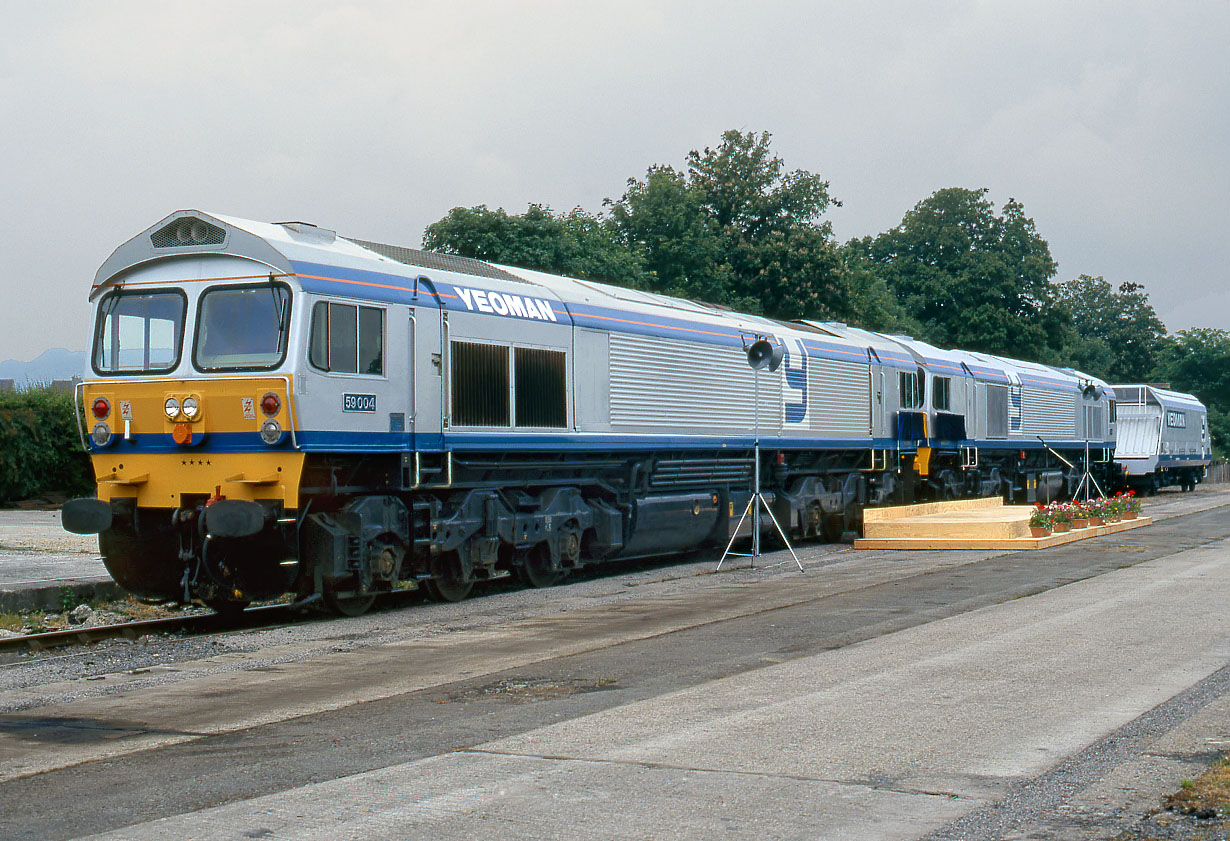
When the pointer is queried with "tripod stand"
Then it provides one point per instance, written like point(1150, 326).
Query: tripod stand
point(759, 356)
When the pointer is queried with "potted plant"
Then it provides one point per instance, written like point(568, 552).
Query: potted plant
point(1061, 517)
point(1131, 505)
point(1096, 509)
point(1040, 521)
point(1080, 517)
point(1114, 509)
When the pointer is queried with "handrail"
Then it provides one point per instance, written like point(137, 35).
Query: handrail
point(290, 404)
point(78, 389)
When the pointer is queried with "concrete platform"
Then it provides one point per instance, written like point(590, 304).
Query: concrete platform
point(39, 561)
point(968, 524)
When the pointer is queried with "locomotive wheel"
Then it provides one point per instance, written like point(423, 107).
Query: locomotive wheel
point(228, 609)
point(447, 591)
point(833, 528)
point(349, 605)
point(536, 570)
point(445, 586)
point(145, 563)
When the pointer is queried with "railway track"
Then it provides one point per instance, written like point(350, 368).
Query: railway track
point(253, 617)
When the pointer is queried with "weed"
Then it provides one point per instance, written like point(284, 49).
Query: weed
point(68, 599)
point(1187, 785)
point(12, 621)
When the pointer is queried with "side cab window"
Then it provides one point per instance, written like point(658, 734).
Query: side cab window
point(347, 339)
point(910, 384)
point(941, 393)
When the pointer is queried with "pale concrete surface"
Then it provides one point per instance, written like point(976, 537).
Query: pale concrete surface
point(466, 796)
point(890, 738)
point(35, 549)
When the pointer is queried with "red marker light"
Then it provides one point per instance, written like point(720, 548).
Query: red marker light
point(270, 404)
point(101, 408)
point(182, 433)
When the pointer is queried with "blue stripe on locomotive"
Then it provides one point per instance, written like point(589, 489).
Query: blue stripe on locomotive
point(398, 442)
point(377, 286)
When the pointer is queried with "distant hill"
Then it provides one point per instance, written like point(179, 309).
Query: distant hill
point(55, 364)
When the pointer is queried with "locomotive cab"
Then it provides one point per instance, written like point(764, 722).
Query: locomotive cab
point(189, 417)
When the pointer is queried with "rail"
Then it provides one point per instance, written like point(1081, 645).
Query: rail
point(195, 623)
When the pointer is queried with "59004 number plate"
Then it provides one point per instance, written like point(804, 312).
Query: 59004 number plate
point(358, 402)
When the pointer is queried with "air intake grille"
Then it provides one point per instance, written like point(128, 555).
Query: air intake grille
point(542, 387)
point(186, 232)
point(481, 387)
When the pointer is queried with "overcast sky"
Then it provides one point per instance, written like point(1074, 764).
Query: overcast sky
point(1110, 121)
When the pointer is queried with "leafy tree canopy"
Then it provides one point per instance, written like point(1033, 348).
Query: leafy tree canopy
point(974, 279)
point(736, 228)
point(577, 244)
point(1115, 333)
point(1198, 361)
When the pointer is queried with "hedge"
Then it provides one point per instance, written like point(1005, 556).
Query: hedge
point(40, 446)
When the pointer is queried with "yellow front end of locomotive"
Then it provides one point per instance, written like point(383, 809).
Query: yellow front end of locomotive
point(159, 441)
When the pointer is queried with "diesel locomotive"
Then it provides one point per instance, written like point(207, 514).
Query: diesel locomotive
point(275, 408)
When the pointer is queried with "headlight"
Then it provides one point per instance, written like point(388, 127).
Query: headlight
point(190, 408)
point(171, 408)
point(100, 435)
point(271, 432)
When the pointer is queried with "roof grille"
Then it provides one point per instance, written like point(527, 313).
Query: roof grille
point(187, 231)
point(432, 260)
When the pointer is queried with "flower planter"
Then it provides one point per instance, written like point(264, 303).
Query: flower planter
point(1039, 531)
point(1080, 522)
point(1129, 515)
point(1060, 528)
point(1096, 521)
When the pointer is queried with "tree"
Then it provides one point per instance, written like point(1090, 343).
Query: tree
point(1116, 334)
point(576, 244)
point(736, 228)
point(1198, 361)
point(661, 219)
point(974, 279)
point(867, 300)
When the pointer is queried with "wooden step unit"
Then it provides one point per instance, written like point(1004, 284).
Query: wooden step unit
point(967, 524)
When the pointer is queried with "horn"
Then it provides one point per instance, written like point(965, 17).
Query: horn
point(762, 354)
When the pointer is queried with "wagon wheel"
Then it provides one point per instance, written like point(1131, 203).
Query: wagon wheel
point(445, 585)
point(535, 570)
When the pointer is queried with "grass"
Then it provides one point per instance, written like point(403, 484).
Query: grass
point(1206, 796)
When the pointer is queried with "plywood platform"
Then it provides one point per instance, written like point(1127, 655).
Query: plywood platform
point(967, 524)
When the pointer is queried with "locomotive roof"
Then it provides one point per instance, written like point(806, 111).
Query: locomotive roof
point(387, 272)
point(391, 273)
